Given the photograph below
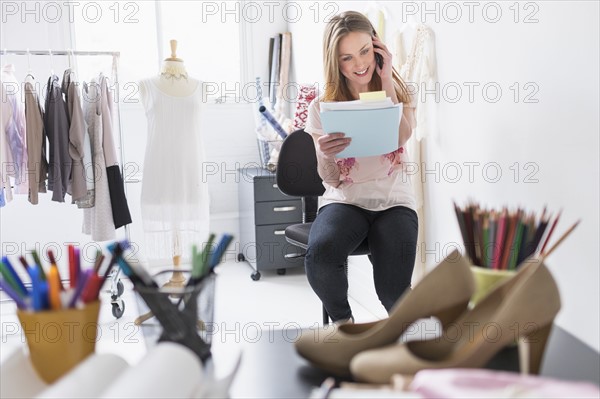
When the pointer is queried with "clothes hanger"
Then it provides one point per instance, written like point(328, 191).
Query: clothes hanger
point(71, 56)
point(28, 61)
point(7, 65)
point(51, 65)
point(29, 76)
point(5, 58)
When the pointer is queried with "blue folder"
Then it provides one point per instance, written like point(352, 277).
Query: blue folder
point(373, 131)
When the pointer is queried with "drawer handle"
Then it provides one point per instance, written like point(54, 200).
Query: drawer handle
point(279, 232)
point(284, 208)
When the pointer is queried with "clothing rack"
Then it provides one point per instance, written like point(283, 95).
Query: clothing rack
point(60, 52)
point(115, 66)
point(116, 289)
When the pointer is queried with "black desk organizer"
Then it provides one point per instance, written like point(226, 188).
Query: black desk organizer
point(177, 311)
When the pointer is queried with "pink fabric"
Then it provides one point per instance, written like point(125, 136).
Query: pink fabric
point(305, 95)
point(478, 383)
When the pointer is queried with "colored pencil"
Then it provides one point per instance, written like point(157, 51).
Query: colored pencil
point(550, 232)
point(560, 240)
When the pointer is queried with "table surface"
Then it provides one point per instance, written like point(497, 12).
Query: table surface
point(271, 368)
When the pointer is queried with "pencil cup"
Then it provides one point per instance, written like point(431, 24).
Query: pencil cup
point(486, 279)
point(59, 339)
point(185, 313)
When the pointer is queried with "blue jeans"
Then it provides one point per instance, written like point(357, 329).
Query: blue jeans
point(337, 232)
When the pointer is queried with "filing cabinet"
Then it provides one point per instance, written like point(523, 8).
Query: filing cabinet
point(264, 214)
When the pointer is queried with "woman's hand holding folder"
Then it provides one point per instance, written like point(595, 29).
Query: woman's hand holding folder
point(332, 144)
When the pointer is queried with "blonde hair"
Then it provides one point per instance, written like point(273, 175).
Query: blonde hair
point(336, 88)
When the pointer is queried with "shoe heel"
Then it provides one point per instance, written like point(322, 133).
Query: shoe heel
point(531, 349)
point(450, 314)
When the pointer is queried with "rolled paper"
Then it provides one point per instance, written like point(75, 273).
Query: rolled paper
point(267, 115)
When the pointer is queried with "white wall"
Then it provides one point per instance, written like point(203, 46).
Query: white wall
point(557, 135)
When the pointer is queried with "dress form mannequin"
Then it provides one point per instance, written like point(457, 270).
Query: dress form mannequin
point(173, 79)
point(172, 100)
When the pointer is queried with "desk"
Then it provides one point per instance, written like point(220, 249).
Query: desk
point(271, 368)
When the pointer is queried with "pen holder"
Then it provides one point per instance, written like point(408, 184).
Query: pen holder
point(486, 279)
point(186, 313)
point(59, 339)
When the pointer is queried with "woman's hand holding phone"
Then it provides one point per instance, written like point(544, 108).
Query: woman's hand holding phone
point(383, 58)
point(332, 144)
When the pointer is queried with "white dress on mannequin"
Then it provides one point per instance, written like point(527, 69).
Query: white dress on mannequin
point(174, 199)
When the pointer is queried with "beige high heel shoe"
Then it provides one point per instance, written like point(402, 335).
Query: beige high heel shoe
point(521, 308)
point(443, 293)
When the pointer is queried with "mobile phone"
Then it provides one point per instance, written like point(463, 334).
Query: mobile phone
point(378, 57)
point(379, 60)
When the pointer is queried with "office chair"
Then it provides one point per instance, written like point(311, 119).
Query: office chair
point(297, 176)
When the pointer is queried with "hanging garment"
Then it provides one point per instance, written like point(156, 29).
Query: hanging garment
point(5, 155)
point(37, 163)
point(78, 189)
point(57, 128)
point(15, 131)
point(120, 209)
point(174, 199)
point(88, 200)
point(419, 70)
point(97, 220)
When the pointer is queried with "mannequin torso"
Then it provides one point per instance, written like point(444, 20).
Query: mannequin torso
point(173, 80)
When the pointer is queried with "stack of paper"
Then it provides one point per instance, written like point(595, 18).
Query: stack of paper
point(356, 105)
point(372, 124)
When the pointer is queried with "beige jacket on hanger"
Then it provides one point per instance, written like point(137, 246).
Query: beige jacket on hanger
point(37, 163)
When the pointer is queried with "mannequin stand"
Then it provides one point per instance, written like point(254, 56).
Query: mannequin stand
point(177, 280)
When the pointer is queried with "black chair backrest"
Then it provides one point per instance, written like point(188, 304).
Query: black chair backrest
point(297, 173)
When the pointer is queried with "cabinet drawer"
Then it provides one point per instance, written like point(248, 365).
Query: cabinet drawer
point(265, 189)
point(273, 247)
point(276, 212)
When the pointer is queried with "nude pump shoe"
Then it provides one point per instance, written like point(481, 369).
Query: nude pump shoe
point(444, 293)
point(522, 308)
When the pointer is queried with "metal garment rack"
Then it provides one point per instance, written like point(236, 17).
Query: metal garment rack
point(116, 290)
point(72, 53)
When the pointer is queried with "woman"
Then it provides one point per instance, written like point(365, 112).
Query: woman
point(365, 198)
